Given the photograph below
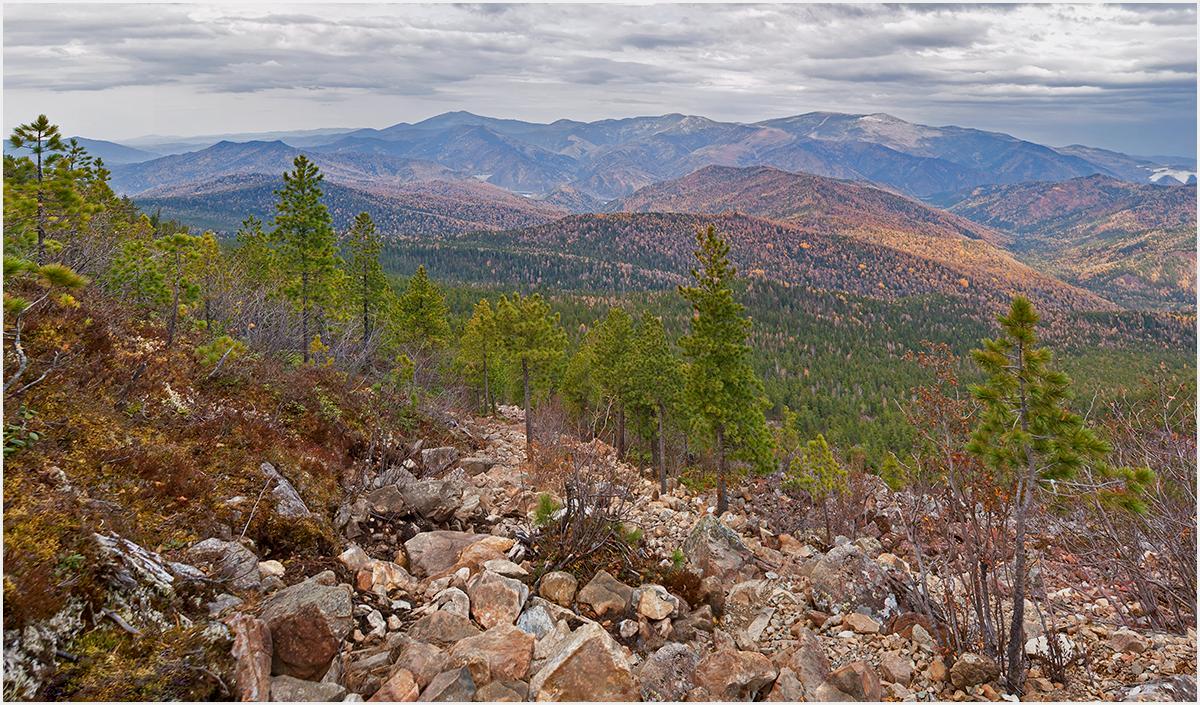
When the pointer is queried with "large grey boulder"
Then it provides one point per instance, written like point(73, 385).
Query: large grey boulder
point(714, 549)
point(1179, 689)
point(844, 580)
point(435, 500)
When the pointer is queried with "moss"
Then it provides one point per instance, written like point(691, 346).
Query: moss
point(176, 664)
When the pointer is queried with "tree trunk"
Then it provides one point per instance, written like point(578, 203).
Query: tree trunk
point(662, 451)
point(1016, 639)
point(174, 305)
point(620, 431)
point(487, 401)
point(41, 212)
point(366, 312)
point(722, 500)
point(304, 315)
point(528, 415)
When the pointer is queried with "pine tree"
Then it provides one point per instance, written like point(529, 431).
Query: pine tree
point(305, 243)
point(423, 314)
point(206, 268)
point(44, 140)
point(817, 472)
point(370, 285)
point(612, 361)
point(174, 253)
point(533, 341)
point(1028, 433)
point(579, 389)
point(656, 378)
point(478, 357)
point(724, 393)
point(254, 251)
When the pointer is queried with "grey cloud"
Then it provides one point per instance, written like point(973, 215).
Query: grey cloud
point(380, 64)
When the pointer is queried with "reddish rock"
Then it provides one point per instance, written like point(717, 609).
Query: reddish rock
point(252, 653)
point(308, 622)
point(401, 687)
point(501, 653)
point(729, 674)
point(855, 681)
point(588, 666)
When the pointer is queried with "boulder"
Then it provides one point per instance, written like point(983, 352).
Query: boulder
point(503, 692)
point(501, 653)
point(731, 675)
point(536, 620)
point(387, 500)
point(424, 660)
point(654, 602)
point(856, 681)
point(308, 622)
point(1179, 689)
point(433, 552)
point(435, 460)
point(442, 628)
point(896, 668)
point(861, 623)
point(666, 675)
point(496, 599)
point(714, 549)
point(453, 686)
point(558, 587)
point(436, 500)
point(607, 596)
point(844, 580)
point(454, 601)
point(1126, 641)
point(287, 500)
point(252, 658)
point(400, 687)
point(483, 551)
point(228, 562)
point(973, 669)
point(807, 663)
point(588, 666)
point(476, 465)
point(382, 577)
point(285, 689)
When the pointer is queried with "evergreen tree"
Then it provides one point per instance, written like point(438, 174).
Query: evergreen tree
point(422, 313)
point(173, 253)
point(535, 342)
point(817, 472)
point(722, 390)
point(656, 378)
point(206, 268)
point(254, 251)
point(305, 243)
point(579, 390)
point(44, 141)
point(1028, 433)
point(370, 284)
point(612, 362)
point(478, 358)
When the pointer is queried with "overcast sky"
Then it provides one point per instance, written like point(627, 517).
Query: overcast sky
point(1121, 77)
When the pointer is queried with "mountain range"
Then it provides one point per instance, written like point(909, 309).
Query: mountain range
point(610, 159)
point(948, 209)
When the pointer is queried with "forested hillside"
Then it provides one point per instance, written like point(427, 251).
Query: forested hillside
point(1132, 243)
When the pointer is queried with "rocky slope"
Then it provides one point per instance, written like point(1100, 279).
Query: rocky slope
point(436, 593)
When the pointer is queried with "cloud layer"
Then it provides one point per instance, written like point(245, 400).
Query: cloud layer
point(1114, 76)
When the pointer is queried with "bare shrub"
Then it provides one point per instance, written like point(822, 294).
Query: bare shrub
point(589, 531)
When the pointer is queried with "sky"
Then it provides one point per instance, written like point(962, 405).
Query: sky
point(1119, 77)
